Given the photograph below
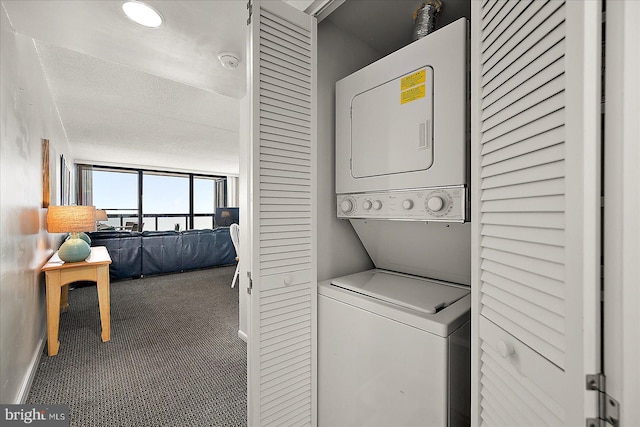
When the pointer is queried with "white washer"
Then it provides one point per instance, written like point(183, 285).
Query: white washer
point(393, 350)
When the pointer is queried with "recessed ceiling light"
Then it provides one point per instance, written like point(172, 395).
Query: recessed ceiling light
point(142, 14)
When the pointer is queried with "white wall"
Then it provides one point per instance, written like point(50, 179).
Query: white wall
point(28, 115)
point(243, 182)
point(232, 191)
point(339, 249)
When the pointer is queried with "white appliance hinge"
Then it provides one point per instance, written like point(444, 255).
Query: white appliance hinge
point(608, 407)
point(250, 286)
point(250, 9)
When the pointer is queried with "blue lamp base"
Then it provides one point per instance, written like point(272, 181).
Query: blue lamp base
point(83, 236)
point(74, 249)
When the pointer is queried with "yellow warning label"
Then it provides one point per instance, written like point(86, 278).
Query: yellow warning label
point(413, 79)
point(412, 94)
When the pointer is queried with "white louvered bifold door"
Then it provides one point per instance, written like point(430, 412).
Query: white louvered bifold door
point(535, 210)
point(282, 305)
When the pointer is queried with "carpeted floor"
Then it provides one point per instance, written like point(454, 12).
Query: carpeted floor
point(174, 358)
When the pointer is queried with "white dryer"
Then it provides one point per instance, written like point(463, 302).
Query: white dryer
point(402, 124)
point(402, 156)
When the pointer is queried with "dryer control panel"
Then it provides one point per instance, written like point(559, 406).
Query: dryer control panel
point(444, 204)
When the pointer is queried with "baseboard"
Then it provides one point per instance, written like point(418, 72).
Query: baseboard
point(242, 335)
point(33, 368)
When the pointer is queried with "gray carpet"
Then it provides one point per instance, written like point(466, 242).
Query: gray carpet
point(174, 358)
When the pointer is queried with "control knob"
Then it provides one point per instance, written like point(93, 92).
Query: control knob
point(377, 205)
point(435, 203)
point(347, 206)
point(407, 204)
point(366, 205)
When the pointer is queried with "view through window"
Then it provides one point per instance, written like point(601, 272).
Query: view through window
point(117, 192)
point(165, 200)
point(204, 202)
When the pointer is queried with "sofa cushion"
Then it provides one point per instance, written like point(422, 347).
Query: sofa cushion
point(161, 252)
point(160, 233)
point(125, 250)
point(112, 234)
point(207, 248)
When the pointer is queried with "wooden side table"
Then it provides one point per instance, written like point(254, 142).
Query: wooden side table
point(58, 276)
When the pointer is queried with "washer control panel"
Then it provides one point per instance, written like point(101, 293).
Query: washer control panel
point(447, 204)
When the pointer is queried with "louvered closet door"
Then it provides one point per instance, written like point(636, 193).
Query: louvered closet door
point(535, 207)
point(282, 305)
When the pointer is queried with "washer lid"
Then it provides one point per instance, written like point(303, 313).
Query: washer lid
point(414, 293)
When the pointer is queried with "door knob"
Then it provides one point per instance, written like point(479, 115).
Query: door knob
point(505, 349)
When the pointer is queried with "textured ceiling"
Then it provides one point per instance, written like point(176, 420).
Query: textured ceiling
point(159, 98)
point(129, 95)
point(118, 115)
point(184, 49)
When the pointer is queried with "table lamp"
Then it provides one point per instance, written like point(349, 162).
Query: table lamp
point(101, 215)
point(72, 219)
point(224, 218)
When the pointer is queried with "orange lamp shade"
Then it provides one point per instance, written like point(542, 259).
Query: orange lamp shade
point(101, 215)
point(71, 219)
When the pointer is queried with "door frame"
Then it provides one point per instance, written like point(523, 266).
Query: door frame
point(622, 209)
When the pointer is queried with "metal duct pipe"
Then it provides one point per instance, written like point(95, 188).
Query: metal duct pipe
point(425, 17)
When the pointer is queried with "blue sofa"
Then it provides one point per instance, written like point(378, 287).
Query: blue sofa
point(136, 254)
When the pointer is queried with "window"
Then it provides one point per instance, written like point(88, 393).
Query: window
point(165, 200)
point(116, 192)
point(204, 202)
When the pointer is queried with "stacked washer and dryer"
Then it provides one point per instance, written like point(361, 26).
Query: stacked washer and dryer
point(394, 342)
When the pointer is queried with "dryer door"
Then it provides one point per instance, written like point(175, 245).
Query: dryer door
point(392, 126)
